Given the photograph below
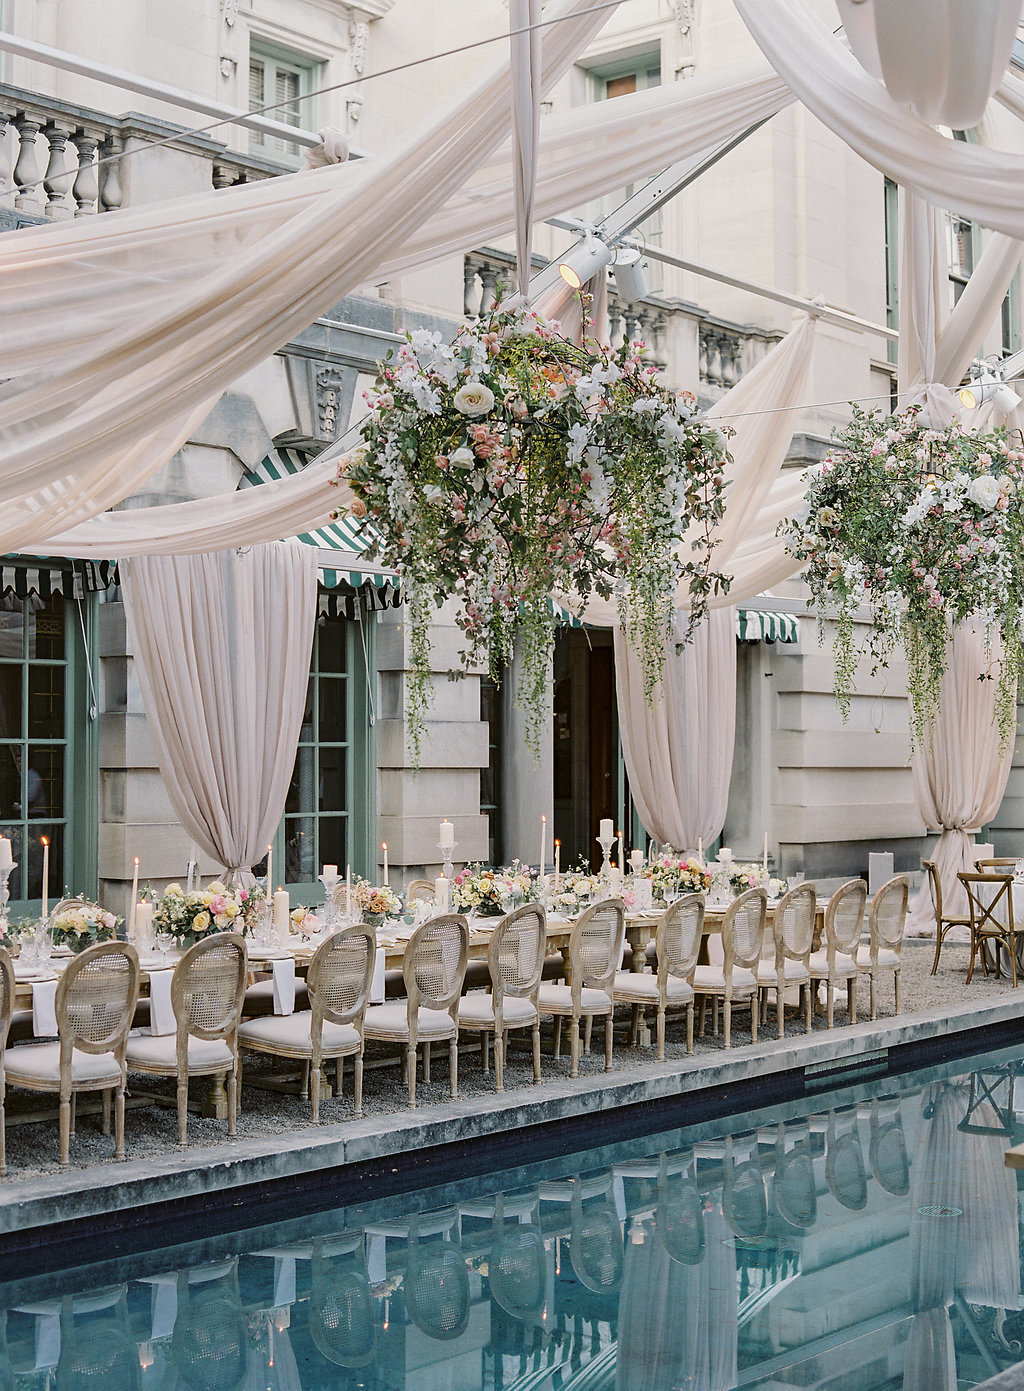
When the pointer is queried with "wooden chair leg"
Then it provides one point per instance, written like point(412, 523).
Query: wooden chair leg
point(896, 990)
point(304, 1083)
point(233, 1099)
point(485, 1041)
point(65, 1129)
point(3, 1127)
point(357, 1084)
point(588, 1029)
point(700, 1016)
point(874, 1012)
point(808, 1007)
point(558, 1036)
point(74, 1113)
point(499, 1062)
point(536, 1052)
point(182, 1111)
point(780, 1009)
point(727, 1009)
point(426, 1062)
point(105, 1121)
point(851, 998)
point(410, 1072)
point(661, 1032)
point(939, 934)
point(453, 1064)
point(339, 1076)
point(830, 1002)
point(634, 1026)
point(689, 1027)
point(574, 1047)
point(315, 1088)
point(608, 1039)
point(714, 1021)
point(119, 1122)
point(753, 1022)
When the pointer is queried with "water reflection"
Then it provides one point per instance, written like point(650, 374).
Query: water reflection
point(877, 1239)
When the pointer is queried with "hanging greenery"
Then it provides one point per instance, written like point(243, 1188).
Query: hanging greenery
point(513, 466)
point(925, 529)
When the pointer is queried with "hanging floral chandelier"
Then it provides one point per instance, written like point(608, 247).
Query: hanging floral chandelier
point(924, 529)
point(513, 466)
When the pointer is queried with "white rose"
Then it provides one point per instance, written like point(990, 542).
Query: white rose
point(463, 458)
point(984, 491)
point(473, 399)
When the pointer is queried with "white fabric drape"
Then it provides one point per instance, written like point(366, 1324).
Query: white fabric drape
point(526, 94)
point(198, 291)
point(977, 183)
point(222, 645)
point(678, 751)
point(942, 58)
point(960, 775)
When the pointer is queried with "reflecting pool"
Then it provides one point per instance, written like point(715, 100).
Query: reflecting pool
point(864, 1238)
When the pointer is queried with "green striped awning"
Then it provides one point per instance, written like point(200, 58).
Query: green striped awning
point(346, 578)
point(26, 576)
point(761, 625)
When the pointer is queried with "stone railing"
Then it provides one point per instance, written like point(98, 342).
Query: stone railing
point(59, 160)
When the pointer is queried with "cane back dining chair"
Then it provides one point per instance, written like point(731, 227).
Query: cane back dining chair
point(94, 1004)
point(420, 891)
point(944, 922)
point(735, 978)
point(887, 917)
point(515, 957)
point(342, 1310)
point(993, 922)
point(836, 962)
point(433, 967)
point(338, 982)
point(788, 963)
point(677, 945)
point(595, 950)
point(207, 991)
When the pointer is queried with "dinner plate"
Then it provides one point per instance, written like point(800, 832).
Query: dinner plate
point(267, 954)
point(33, 976)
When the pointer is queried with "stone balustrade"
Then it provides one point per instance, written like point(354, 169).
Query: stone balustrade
point(59, 160)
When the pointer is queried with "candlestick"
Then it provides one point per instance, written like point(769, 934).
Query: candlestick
point(605, 840)
point(543, 844)
point(385, 846)
point(5, 873)
point(447, 835)
point(46, 877)
point(447, 851)
point(558, 865)
point(270, 870)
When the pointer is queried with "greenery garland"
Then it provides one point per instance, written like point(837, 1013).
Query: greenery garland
point(514, 465)
point(925, 529)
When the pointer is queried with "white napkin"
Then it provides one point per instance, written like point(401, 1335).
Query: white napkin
point(377, 982)
point(284, 991)
point(161, 1012)
point(44, 1014)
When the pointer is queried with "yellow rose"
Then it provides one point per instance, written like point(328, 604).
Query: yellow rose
point(232, 910)
point(222, 920)
point(201, 922)
point(174, 889)
point(216, 887)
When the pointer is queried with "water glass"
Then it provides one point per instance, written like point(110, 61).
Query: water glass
point(164, 941)
point(43, 940)
point(265, 929)
point(29, 952)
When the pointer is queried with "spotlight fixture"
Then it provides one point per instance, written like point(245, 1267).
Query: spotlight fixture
point(989, 387)
point(628, 269)
point(584, 260)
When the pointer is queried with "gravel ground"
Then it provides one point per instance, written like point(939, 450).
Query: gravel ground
point(151, 1128)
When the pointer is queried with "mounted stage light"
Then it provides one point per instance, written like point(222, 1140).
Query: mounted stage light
point(989, 387)
point(628, 269)
point(584, 260)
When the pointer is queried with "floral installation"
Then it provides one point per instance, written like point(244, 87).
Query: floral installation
point(80, 925)
point(513, 465)
point(478, 890)
point(925, 529)
point(673, 874)
point(376, 899)
point(190, 917)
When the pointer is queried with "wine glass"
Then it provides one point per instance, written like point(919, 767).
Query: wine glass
point(164, 941)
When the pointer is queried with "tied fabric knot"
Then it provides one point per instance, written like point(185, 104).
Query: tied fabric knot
point(334, 149)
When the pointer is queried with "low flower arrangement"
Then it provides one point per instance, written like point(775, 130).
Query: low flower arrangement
point(513, 465)
point(925, 529)
point(478, 890)
point(190, 917)
point(576, 890)
point(83, 925)
point(376, 900)
point(739, 878)
point(671, 874)
point(517, 883)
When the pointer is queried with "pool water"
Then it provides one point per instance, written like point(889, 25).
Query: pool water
point(864, 1238)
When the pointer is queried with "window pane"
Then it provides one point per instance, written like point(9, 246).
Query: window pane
point(300, 790)
point(332, 780)
point(620, 86)
point(299, 850)
point(45, 702)
point(331, 646)
point(10, 701)
point(334, 841)
point(12, 831)
point(10, 782)
point(12, 630)
point(44, 782)
point(34, 857)
point(286, 90)
point(46, 630)
point(333, 692)
point(255, 84)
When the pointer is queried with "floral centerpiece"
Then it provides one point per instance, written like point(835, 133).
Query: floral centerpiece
point(478, 890)
point(190, 917)
point(925, 529)
point(739, 878)
point(673, 874)
point(517, 883)
point(514, 465)
point(576, 890)
point(80, 925)
point(377, 901)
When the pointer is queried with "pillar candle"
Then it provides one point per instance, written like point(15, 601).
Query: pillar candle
point(607, 831)
point(6, 855)
point(442, 903)
point(543, 843)
point(329, 872)
point(447, 837)
point(143, 922)
point(282, 908)
point(636, 859)
point(385, 845)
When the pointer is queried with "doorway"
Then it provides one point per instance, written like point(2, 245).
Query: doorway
point(589, 783)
